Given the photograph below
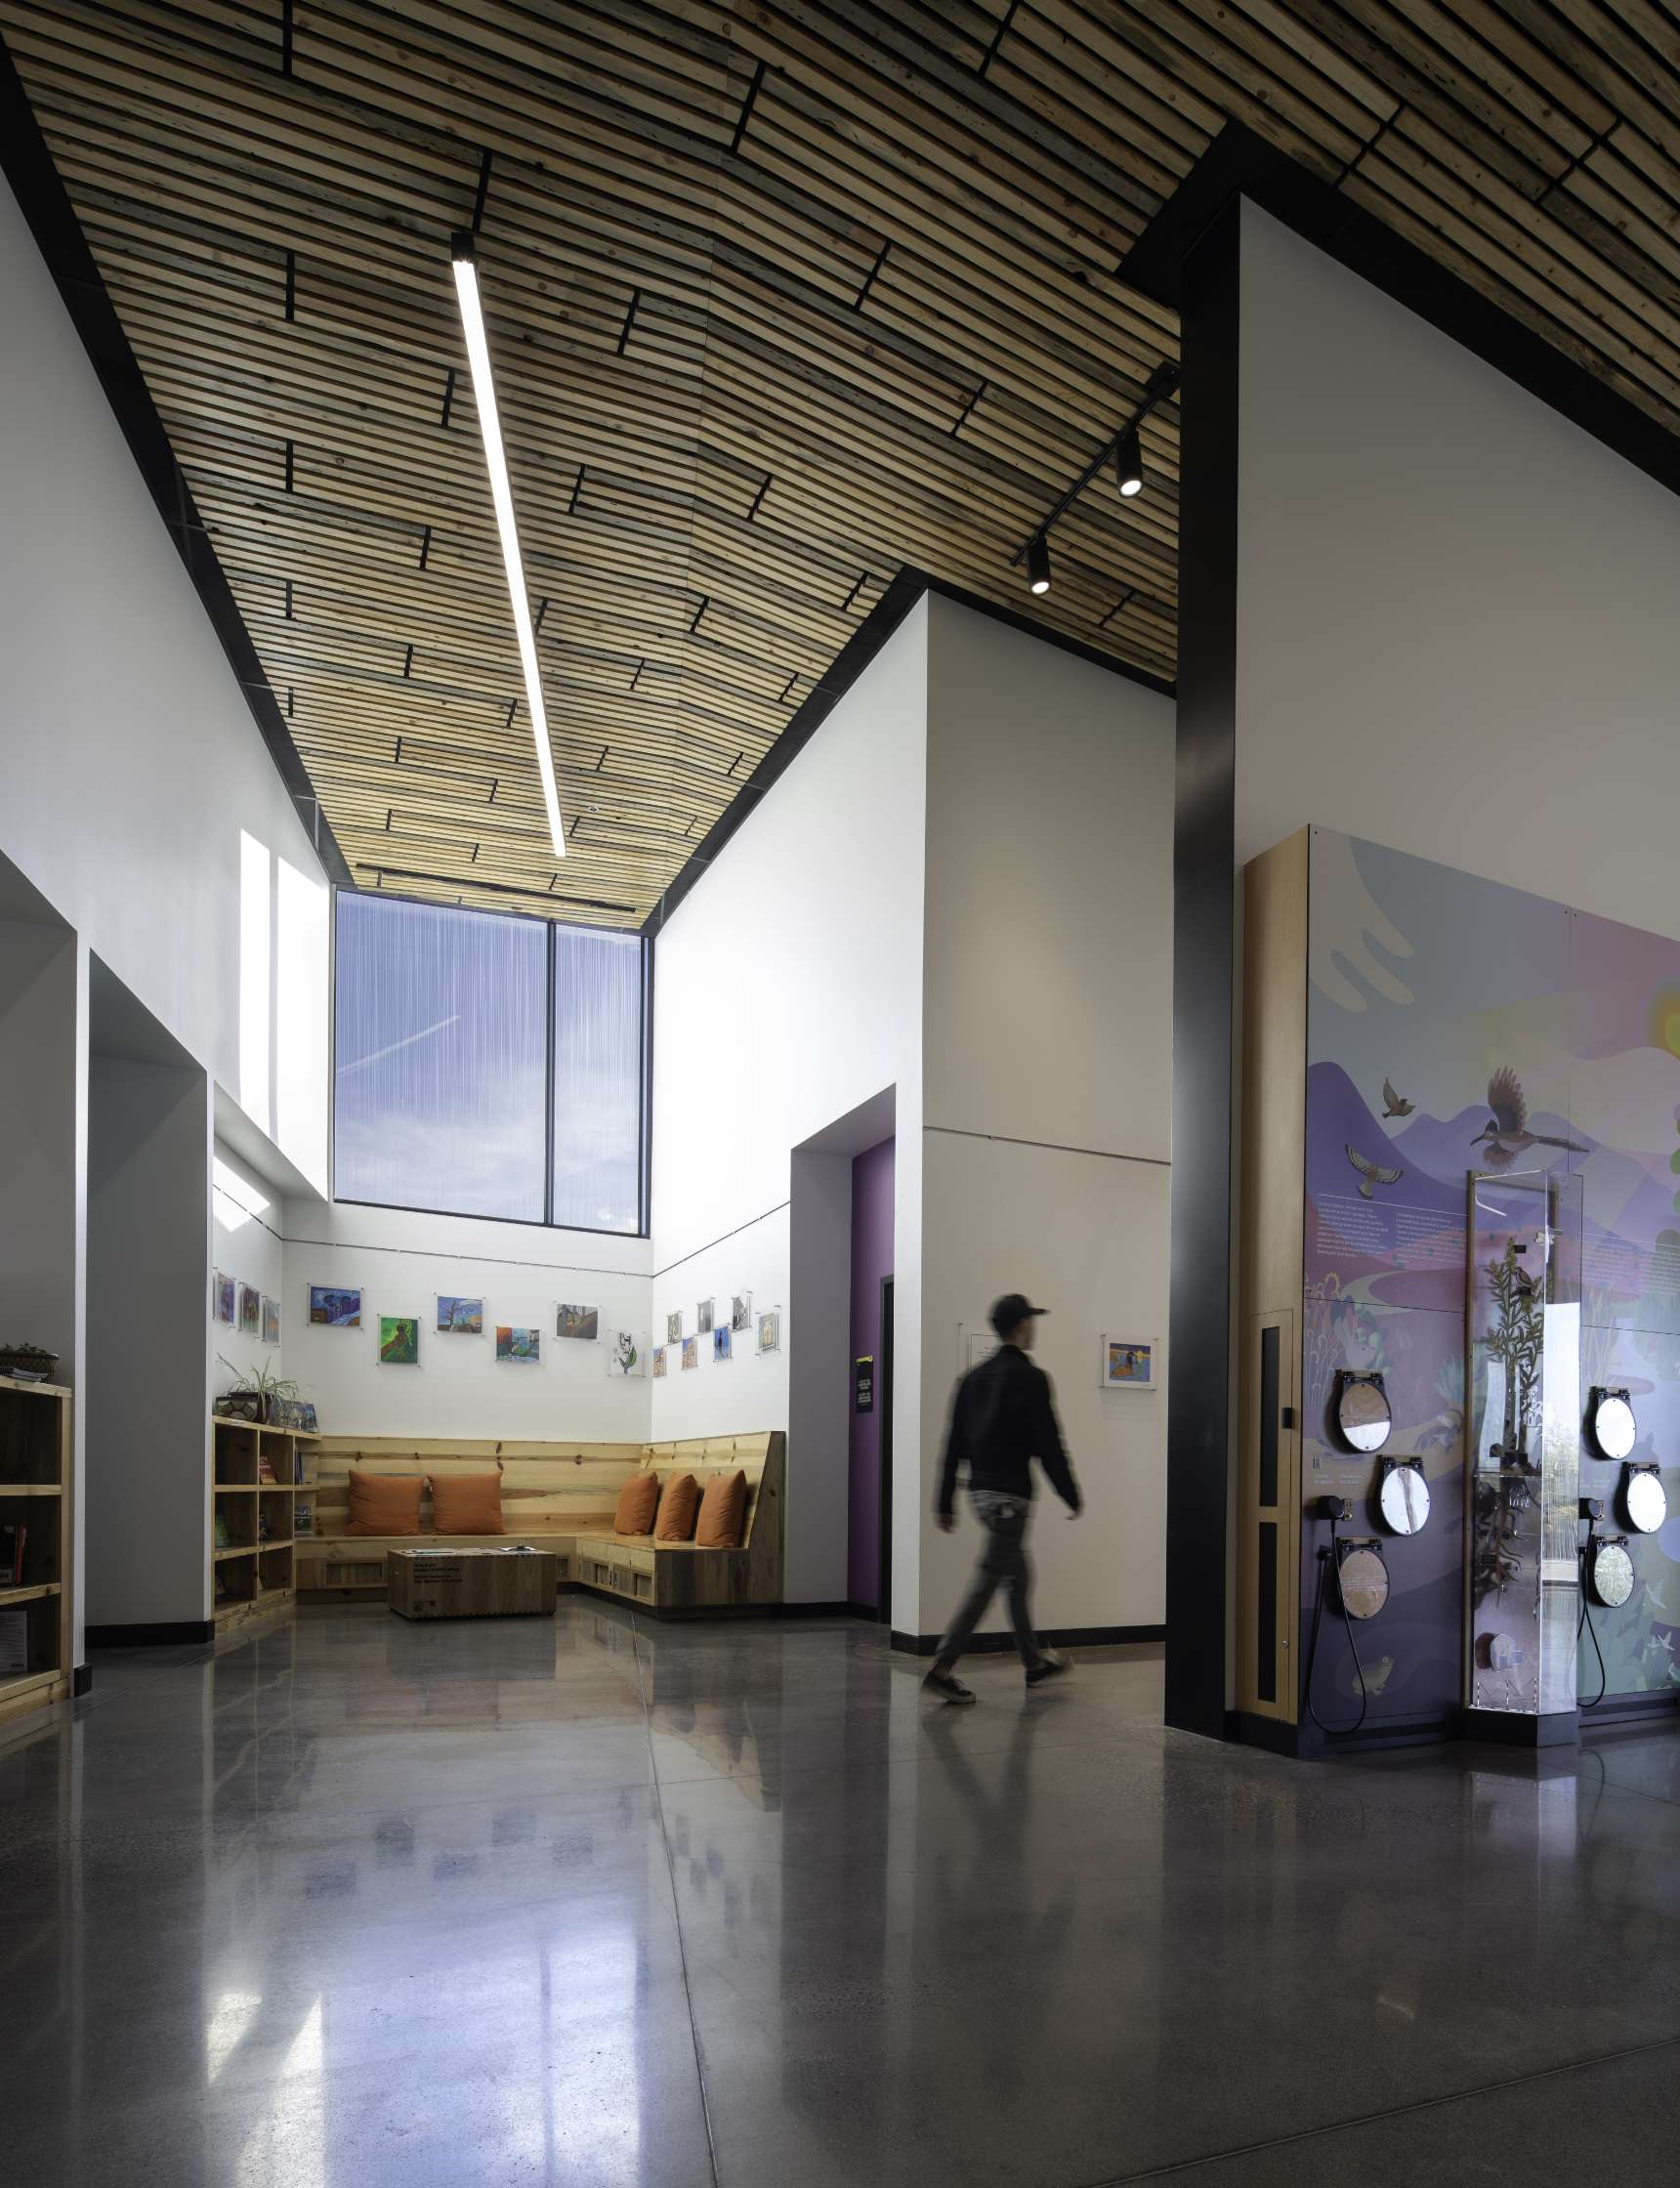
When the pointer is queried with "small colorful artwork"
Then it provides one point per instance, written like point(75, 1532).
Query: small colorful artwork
point(399, 1340)
point(690, 1352)
point(334, 1308)
point(721, 1340)
point(271, 1321)
point(704, 1317)
point(516, 1343)
point(250, 1311)
point(659, 1352)
point(463, 1318)
point(674, 1328)
point(625, 1356)
point(770, 1330)
point(581, 1323)
point(1127, 1364)
point(740, 1310)
point(225, 1306)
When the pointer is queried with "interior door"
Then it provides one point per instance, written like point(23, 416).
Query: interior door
point(884, 1404)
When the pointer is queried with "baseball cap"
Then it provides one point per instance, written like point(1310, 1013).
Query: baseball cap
point(1012, 1310)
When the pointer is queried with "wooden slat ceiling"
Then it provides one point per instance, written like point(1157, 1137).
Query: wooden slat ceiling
point(784, 297)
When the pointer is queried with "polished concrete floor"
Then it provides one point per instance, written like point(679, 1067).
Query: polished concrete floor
point(359, 1902)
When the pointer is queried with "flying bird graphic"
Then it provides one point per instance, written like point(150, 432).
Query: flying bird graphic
point(1372, 1173)
point(1507, 1137)
point(1398, 1104)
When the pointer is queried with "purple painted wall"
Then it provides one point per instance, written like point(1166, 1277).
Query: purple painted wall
point(871, 1260)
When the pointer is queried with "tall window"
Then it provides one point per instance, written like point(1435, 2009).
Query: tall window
point(487, 1065)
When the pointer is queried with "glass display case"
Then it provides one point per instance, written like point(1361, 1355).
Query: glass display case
point(1523, 1381)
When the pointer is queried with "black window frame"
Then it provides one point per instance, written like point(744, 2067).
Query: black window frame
point(643, 1079)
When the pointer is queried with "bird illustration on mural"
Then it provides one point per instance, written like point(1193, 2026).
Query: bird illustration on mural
point(1372, 1174)
point(1398, 1104)
point(1507, 1137)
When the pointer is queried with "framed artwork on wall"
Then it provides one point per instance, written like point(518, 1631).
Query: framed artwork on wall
point(674, 1328)
point(334, 1307)
point(690, 1352)
point(463, 1318)
point(518, 1344)
point(399, 1340)
point(250, 1311)
point(583, 1323)
point(741, 1312)
point(703, 1314)
point(626, 1354)
point(271, 1321)
point(722, 1339)
point(660, 1353)
point(1128, 1363)
point(770, 1330)
point(226, 1305)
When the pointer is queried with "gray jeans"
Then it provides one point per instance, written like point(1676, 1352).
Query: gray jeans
point(1002, 1564)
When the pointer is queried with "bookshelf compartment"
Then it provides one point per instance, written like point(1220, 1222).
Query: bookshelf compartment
point(28, 1640)
point(40, 1520)
point(28, 1433)
point(35, 1448)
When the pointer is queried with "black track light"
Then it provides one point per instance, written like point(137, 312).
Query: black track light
point(1038, 564)
point(1129, 462)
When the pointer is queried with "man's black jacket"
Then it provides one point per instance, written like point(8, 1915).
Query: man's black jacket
point(1001, 1419)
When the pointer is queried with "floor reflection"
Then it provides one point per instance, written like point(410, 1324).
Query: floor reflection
point(583, 1902)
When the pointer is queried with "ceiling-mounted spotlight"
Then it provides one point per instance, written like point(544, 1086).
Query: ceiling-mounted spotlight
point(464, 252)
point(1127, 453)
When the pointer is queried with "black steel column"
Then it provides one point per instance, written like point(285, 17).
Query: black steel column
point(1199, 1392)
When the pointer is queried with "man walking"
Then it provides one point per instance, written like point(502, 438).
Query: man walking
point(1001, 1420)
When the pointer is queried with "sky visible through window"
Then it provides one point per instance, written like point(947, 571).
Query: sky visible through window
point(441, 1065)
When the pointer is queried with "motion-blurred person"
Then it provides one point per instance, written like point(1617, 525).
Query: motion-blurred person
point(1001, 1419)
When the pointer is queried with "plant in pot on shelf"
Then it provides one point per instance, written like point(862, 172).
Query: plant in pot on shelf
point(28, 1364)
point(253, 1394)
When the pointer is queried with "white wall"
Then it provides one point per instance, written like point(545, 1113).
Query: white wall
point(148, 1429)
point(246, 1215)
point(1457, 629)
point(787, 992)
point(1048, 1076)
point(132, 768)
point(401, 1261)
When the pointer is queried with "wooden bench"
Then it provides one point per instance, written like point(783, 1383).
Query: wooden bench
point(560, 1497)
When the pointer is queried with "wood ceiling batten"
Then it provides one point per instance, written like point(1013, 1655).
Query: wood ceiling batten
point(785, 296)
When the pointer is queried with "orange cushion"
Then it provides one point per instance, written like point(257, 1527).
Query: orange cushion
point(467, 1503)
point(384, 1503)
point(722, 1512)
point(677, 1509)
point(638, 1501)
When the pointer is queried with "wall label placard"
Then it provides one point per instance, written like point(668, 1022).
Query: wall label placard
point(865, 1402)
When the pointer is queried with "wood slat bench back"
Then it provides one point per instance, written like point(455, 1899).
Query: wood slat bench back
point(706, 1456)
point(547, 1488)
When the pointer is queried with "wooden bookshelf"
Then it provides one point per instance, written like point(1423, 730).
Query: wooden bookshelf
point(252, 1573)
point(35, 1493)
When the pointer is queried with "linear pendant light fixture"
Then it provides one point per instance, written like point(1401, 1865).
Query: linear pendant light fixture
point(1126, 449)
point(464, 253)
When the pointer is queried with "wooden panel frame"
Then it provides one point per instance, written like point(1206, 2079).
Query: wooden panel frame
point(1272, 1245)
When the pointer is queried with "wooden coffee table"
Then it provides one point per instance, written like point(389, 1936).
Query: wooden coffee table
point(472, 1583)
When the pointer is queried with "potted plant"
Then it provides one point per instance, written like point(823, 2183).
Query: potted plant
point(29, 1363)
point(252, 1393)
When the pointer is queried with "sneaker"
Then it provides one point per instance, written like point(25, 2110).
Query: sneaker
point(948, 1686)
point(1050, 1666)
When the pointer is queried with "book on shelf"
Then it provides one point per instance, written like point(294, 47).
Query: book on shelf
point(303, 1517)
point(266, 1468)
point(13, 1537)
point(14, 1644)
point(223, 1541)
